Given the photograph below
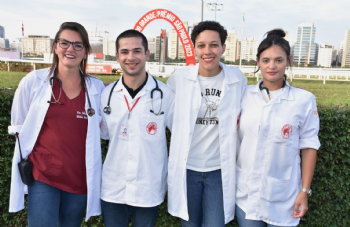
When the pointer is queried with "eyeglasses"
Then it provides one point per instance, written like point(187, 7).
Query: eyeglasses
point(64, 44)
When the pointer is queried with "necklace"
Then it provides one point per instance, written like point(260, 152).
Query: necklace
point(71, 83)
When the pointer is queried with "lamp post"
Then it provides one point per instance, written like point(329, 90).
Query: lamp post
point(215, 7)
point(202, 11)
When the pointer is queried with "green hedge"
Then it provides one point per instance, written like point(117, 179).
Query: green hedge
point(329, 205)
point(22, 66)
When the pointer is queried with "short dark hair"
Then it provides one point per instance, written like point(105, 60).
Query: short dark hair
point(73, 26)
point(209, 25)
point(129, 34)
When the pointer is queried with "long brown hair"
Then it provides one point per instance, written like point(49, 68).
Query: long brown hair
point(85, 38)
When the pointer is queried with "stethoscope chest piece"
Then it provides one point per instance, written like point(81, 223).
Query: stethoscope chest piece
point(91, 112)
point(107, 110)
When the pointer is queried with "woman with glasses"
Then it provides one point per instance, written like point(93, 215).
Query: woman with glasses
point(57, 129)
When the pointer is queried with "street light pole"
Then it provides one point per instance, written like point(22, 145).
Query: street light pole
point(240, 57)
point(214, 7)
point(202, 11)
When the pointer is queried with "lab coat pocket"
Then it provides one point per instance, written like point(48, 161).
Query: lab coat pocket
point(275, 190)
point(152, 127)
point(241, 182)
point(285, 131)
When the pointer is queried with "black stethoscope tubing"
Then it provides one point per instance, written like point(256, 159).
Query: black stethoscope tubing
point(90, 111)
point(107, 110)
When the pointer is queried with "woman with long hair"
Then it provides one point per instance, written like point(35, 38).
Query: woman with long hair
point(57, 129)
point(277, 121)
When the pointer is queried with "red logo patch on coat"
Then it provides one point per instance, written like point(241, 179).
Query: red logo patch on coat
point(287, 130)
point(151, 128)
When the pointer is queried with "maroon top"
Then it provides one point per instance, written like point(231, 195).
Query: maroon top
point(59, 153)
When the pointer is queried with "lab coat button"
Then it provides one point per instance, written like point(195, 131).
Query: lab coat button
point(190, 133)
point(130, 157)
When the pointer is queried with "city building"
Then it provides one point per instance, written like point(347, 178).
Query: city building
point(292, 46)
point(325, 54)
point(16, 44)
point(231, 46)
point(161, 47)
point(7, 43)
point(340, 53)
point(109, 48)
point(2, 32)
point(286, 37)
point(305, 49)
point(346, 51)
point(152, 45)
point(2, 43)
point(35, 45)
point(101, 43)
point(334, 57)
point(249, 48)
point(173, 44)
point(181, 52)
point(238, 49)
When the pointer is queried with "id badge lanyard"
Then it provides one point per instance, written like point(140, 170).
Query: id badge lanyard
point(124, 129)
point(127, 103)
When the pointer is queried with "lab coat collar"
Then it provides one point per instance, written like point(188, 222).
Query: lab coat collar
point(287, 92)
point(89, 85)
point(229, 78)
point(193, 74)
point(149, 86)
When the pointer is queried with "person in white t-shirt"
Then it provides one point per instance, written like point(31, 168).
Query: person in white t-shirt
point(201, 175)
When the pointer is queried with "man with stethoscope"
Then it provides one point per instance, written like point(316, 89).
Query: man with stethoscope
point(135, 111)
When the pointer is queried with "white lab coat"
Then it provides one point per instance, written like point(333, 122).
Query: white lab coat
point(184, 82)
point(135, 170)
point(27, 116)
point(268, 161)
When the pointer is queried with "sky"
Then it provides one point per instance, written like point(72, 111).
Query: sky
point(43, 17)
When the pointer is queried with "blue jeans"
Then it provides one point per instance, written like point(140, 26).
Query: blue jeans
point(49, 206)
point(242, 222)
point(204, 199)
point(115, 214)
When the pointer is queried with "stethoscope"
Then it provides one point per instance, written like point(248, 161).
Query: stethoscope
point(267, 90)
point(90, 111)
point(107, 110)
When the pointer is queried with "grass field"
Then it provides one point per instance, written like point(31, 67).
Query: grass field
point(333, 92)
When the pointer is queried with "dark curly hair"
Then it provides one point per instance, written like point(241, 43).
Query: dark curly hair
point(209, 25)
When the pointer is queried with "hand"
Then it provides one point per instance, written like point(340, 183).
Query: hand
point(301, 201)
point(16, 136)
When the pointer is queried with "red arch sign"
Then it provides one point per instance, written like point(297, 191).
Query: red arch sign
point(178, 26)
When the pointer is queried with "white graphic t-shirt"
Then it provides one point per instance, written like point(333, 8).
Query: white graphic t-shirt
point(204, 155)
